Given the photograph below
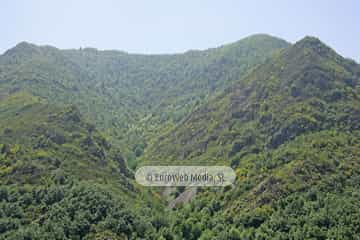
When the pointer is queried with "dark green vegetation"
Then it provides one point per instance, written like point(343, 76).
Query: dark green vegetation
point(304, 88)
point(286, 118)
point(129, 96)
point(61, 179)
point(291, 129)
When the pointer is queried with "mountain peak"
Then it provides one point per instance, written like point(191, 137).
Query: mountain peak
point(24, 44)
point(314, 44)
point(310, 39)
point(265, 39)
point(23, 48)
point(262, 36)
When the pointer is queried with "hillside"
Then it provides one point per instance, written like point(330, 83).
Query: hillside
point(130, 96)
point(285, 117)
point(291, 130)
point(304, 88)
point(61, 179)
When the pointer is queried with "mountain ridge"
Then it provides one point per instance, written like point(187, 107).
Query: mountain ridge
point(121, 92)
point(304, 72)
point(285, 117)
point(290, 130)
point(258, 36)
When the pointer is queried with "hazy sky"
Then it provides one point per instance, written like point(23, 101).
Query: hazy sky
point(168, 26)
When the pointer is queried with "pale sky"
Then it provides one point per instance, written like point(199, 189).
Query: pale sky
point(169, 26)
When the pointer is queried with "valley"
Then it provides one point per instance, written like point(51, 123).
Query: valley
point(76, 124)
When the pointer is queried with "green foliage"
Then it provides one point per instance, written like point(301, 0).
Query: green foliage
point(292, 133)
point(71, 211)
point(61, 179)
point(131, 97)
point(289, 127)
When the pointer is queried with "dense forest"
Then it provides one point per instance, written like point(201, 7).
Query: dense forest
point(130, 97)
point(76, 124)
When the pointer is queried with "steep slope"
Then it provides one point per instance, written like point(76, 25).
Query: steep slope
point(128, 95)
point(61, 179)
point(305, 88)
point(52, 134)
point(290, 128)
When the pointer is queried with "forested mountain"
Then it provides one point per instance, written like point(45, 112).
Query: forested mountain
point(285, 117)
point(129, 95)
point(291, 129)
point(61, 179)
point(304, 88)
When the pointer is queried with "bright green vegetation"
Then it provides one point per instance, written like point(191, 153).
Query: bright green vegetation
point(305, 88)
point(286, 118)
point(61, 179)
point(130, 97)
point(291, 129)
point(306, 189)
